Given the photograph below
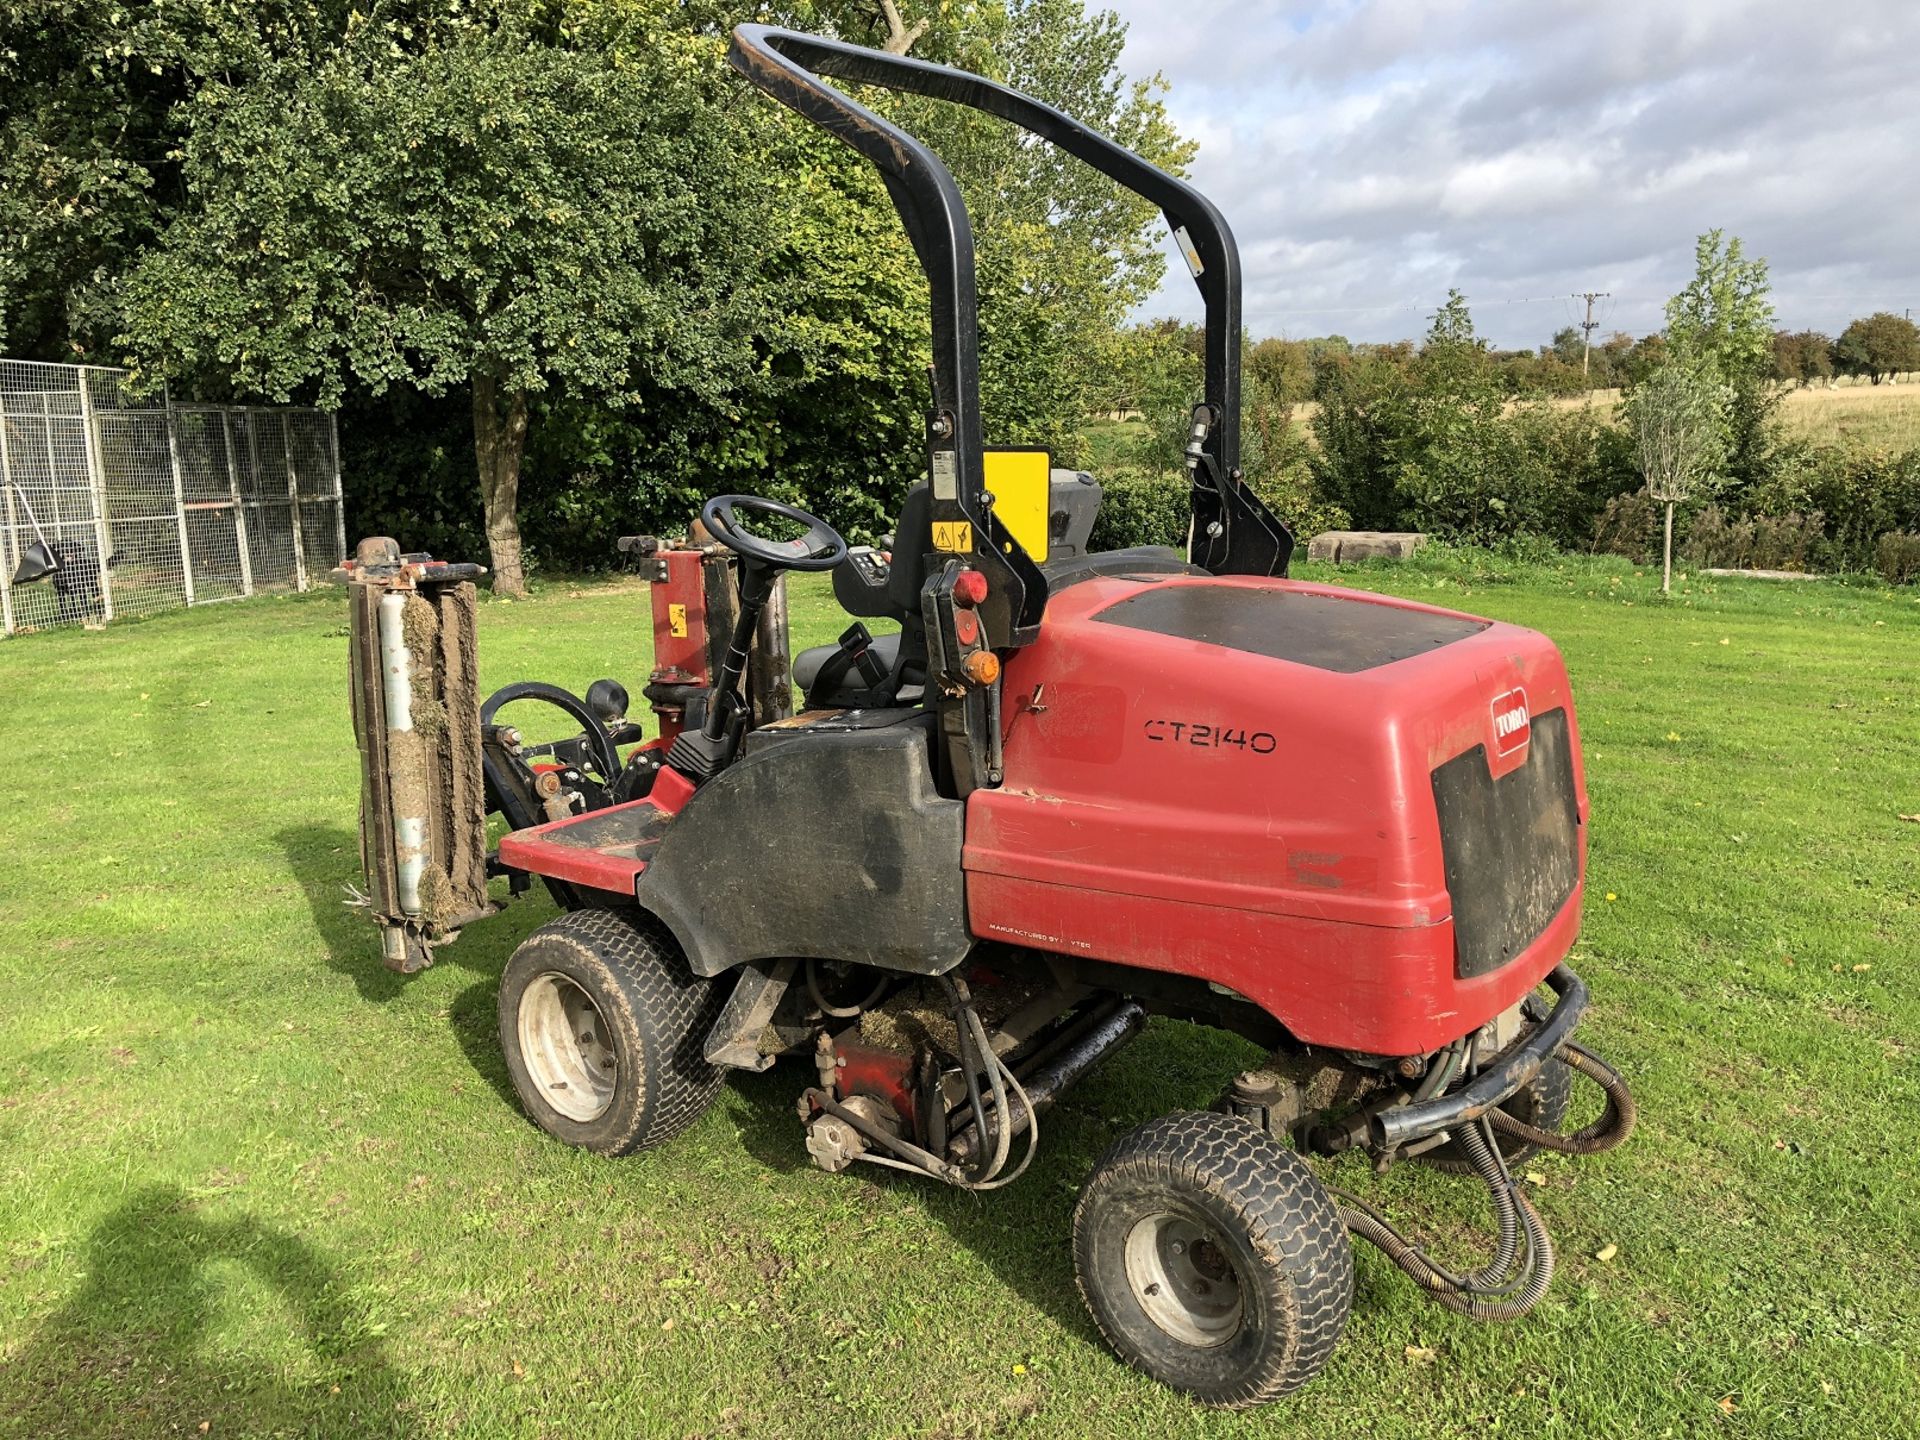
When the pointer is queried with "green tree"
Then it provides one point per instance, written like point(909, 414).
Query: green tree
point(1451, 453)
point(92, 97)
point(1677, 417)
point(836, 424)
point(1284, 368)
point(1567, 347)
point(508, 200)
point(1609, 367)
point(1432, 440)
point(1721, 323)
point(1640, 358)
point(1360, 409)
point(1720, 328)
point(1801, 357)
point(1880, 346)
point(1156, 368)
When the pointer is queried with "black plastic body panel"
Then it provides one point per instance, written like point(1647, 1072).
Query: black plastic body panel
point(1073, 505)
point(1511, 846)
point(1328, 632)
point(823, 842)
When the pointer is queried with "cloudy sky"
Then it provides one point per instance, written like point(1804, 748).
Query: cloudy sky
point(1369, 155)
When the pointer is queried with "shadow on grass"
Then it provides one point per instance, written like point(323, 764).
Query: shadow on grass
point(475, 1017)
point(129, 1354)
point(325, 859)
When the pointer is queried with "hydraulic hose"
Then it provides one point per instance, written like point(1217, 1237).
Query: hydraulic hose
point(1442, 1071)
point(1613, 1126)
point(977, 1058)
point(1518, 1276)
point(841, 1012)
point(1497, 1291)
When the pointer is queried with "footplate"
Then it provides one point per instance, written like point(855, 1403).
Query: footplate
point(602, 850)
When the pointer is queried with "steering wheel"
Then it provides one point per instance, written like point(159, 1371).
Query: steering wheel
point(821, 548)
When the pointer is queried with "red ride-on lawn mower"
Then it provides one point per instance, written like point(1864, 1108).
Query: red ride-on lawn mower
point(1068, 792)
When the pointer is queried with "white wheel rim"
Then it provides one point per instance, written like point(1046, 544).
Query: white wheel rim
point(1184, 1279)
point(567, 1050)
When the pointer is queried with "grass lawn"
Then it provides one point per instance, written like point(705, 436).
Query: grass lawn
point(255, 1185)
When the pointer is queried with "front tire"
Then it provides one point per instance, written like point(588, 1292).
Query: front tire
point(603, 1027)
point(1212, 1259)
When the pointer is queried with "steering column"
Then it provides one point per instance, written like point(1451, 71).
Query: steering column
point(700, 754)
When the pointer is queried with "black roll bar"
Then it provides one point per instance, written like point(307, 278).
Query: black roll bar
point(1233, 532)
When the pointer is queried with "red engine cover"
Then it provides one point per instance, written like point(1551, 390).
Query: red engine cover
point(1201, 779)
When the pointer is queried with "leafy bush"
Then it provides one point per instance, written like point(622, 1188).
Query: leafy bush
point(1897, 557)
point(1823, 507)
point(1786, 542)
point(1754, 542)
point(1629, 526)
point(1141, 507)
point(1429, 440)
point(1147, 507)
point(1362, 413)
point(1864, 494)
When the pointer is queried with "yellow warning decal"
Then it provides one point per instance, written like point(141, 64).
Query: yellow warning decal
point(953, 536)
point(677, 621)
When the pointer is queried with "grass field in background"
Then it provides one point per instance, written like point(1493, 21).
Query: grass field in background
point(257, 1186)
point(1886, 417)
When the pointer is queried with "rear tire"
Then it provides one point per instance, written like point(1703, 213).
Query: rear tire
point(604, 1027)
point(1213, 1259)
point(1542, 1102)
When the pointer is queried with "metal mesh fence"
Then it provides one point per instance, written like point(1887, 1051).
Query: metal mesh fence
point(146, 505)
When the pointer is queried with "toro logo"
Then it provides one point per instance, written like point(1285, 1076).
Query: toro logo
point(1512, 726)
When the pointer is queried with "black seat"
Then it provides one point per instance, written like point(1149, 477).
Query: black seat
point(897, 599)
point(807, 664)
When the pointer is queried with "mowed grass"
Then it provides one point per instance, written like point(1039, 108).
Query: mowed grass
point(257, 1186)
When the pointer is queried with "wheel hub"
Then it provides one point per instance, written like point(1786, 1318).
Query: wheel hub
point(1184, 1279)
point(568, 1053)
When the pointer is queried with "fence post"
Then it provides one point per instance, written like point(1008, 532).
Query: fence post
point(179, 499)
point(339, 495)
point(97, 482)
point(239, 505)
point(13, 527)
point(293, 503)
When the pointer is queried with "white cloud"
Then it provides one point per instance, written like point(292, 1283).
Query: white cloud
point(1370, 153)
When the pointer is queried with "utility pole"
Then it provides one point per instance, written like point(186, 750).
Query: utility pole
point(1587, 327)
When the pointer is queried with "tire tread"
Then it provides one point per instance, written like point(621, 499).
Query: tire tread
point(668, 1014)
point(1289, 1218)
